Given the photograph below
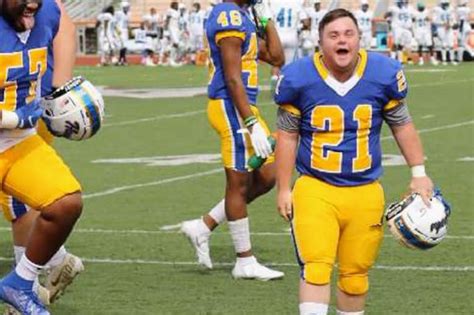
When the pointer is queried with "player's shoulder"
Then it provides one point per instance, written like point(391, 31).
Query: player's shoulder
point(300, 72)
point(382, 68)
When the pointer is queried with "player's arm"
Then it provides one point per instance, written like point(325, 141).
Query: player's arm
point(270, 50)
point(64, 49)
point(230, 48)
point(398, 118)
point(285, 158)
point(288, 124)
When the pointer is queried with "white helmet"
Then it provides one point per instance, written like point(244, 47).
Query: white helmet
point(74, 111)
point(417, 226)
point(124, 4)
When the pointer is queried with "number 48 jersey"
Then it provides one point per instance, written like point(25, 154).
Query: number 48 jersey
point(229, 20)
point(340, 123)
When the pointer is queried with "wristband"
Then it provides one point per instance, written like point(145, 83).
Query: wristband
point(250, 121)
point(9, 120)
point(418, 171)
point(264, 22)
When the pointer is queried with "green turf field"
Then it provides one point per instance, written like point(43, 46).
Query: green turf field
point(140, 174)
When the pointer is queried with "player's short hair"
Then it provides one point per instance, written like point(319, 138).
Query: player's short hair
point(334, 15)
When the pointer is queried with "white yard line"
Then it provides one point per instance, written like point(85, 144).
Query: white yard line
point(197, 112)
point(155, 118)
point(214, 171)
point(174, 229)
point(466, 123)
point(110, 261)
point(115, 190)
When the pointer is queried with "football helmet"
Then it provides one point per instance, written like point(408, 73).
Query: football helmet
point(416, 225)
point(74, 111)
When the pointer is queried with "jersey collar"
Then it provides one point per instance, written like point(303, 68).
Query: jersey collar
point(341, 88)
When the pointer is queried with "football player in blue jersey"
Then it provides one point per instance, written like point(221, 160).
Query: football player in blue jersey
point(233, 87)
point(63, 266)
point(31, 170)
point(331, 110)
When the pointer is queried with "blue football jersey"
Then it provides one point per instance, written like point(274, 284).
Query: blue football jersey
point(24, 57)
point(341, 122)
point(229, 20)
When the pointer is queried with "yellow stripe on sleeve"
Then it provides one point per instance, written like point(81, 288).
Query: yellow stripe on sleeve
point(291, 109)
point(226, 34)
point(392, 104)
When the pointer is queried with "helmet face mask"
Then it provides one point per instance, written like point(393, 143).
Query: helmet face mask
point(19, 14)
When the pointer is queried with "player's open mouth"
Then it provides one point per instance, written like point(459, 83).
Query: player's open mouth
point(342, 51)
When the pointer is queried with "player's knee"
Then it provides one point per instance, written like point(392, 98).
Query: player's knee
point(69, 206)
point(354, 284)
point(317, 273)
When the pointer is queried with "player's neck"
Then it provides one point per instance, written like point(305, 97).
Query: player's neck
point(341, 74)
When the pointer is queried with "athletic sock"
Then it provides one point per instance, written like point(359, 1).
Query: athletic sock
point(27, 269)
point(338, 312)
point(218, 212)
point(240, 233)
point(19, 251)
point(313, 308)
point(58, 258)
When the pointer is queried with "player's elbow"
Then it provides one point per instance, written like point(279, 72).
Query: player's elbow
point(279, 61)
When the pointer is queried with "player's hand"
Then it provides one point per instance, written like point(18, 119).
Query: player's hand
point(285, 205)
point(424, 187)
point(260, 142)
point(29, 114)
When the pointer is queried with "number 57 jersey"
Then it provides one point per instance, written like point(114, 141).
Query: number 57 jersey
point(340, 123)
point(229, 20)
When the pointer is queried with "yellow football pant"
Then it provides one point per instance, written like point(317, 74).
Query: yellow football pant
point(343, 222)
point(236, 146)
point(32, 173)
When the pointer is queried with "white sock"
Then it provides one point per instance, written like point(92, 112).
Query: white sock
point(338, 312)
point(444, 55)
point(246, 260)
point(313, 308)
point(58, 258)
point(451, 55)
point(460, 53)
point(240, 233)
point(218, 212)
point(27, 269)
point(19, 251)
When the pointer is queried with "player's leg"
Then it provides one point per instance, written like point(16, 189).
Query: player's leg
point(359, 243)
point(315, 231)
point(452, 52)
point(59, 200)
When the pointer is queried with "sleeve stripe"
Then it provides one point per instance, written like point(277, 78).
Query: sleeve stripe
point(226, 34)
point(392, 104)
point(291, 109)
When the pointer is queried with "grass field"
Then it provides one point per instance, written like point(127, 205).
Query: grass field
point(133, 267)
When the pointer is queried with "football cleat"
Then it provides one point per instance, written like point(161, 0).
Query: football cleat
point(61, 276)
point(199, 240)
point(18, 293)
point(256, 271)
point(416, 225)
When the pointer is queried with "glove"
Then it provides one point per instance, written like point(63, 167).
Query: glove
point(260, 143)
point(263, 10)
point(29, 114)
point(22, 118)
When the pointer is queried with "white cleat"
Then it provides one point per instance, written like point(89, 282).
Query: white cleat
point(256, 271)
point(434, 61)
point(61, 276)
point(454, 63)
point(421, 62)
point(199, 240)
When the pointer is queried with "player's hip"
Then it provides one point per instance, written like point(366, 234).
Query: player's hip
point(351, 198)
